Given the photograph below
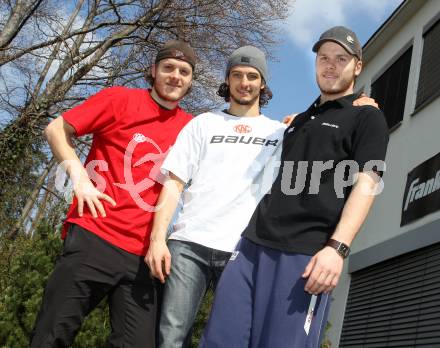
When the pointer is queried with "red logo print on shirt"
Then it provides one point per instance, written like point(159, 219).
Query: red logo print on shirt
point(242, 128)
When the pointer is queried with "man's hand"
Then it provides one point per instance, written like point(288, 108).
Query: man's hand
point(158, 259)
point(87, 193)
point(59, 135)
point(323, 271)
point(287, 120)
point(365, 100)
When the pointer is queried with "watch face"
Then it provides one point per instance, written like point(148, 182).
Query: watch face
point(341, 248)
point(344, 250)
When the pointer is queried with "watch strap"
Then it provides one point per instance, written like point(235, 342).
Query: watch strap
point(341, 248)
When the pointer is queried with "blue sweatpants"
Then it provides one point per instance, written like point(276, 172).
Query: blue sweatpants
point(260, 302)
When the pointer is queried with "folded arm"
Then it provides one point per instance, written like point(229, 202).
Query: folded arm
point(59, 135)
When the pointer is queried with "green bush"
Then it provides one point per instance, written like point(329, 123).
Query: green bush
point(202, 318)
point(26, 263)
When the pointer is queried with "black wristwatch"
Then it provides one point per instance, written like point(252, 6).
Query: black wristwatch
point(341, 248)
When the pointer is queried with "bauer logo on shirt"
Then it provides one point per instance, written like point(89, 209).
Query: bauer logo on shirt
point(235, 139)
point(242, 128)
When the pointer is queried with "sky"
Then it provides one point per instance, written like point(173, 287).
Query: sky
point(292, 76)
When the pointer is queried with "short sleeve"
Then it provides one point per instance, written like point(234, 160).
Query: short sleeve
point(370, 138)
point(184, 157)
point(98, 113)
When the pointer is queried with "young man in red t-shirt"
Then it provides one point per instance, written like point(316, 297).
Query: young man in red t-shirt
point(108, 225)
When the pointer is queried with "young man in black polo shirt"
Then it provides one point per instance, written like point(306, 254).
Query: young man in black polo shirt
point(275, 290)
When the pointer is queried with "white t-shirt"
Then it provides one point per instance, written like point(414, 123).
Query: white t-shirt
point(229, 163)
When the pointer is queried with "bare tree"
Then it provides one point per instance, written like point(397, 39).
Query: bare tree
point(87, 45)
point(20, 13)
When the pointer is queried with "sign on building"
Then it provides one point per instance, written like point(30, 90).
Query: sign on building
point(422, 191)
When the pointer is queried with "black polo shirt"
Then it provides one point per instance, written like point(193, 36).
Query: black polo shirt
point(302, 209)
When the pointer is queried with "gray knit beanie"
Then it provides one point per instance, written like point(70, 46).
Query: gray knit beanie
point(248, 56)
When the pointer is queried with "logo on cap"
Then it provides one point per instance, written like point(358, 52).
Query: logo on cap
point(242, 128)
point(350, 39)
point(245, 60)
point(178, 54)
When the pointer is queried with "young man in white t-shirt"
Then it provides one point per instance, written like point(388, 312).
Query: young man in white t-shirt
point(227, 160)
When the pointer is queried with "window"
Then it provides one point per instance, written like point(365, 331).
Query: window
point(429, 80)
point(395, 303)
point(389, 90)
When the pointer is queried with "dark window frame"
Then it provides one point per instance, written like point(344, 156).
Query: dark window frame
point(386, 68)
point(383, 297)
point(434, 23)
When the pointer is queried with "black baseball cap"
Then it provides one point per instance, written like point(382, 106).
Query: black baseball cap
point(342, 36)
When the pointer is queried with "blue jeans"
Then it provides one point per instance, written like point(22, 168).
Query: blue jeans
point(193, 269)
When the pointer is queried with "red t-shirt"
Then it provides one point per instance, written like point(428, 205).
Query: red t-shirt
point(131, 136)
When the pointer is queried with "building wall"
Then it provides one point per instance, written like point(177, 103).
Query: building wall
point(413, 142)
